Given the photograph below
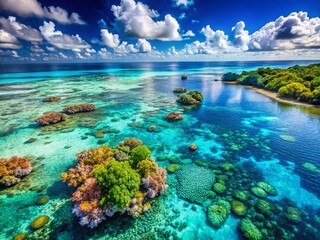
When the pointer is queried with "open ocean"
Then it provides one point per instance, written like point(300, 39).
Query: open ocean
point(266, 140)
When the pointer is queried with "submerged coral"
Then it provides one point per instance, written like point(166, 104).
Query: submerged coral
point(268, 188)
point(52, 99)
point(249, 230)
point(107, 185)
point(13, 169)
point(39, 222)
point(86, 107)
point(51, 118)
point(194, 182)
point(218, 213)
point(173, 116)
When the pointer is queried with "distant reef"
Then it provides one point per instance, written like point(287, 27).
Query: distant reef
point(300, 84)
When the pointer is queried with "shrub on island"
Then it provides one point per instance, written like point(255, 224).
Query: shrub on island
point(190, 98)
point(86, 107)
point(51, 118)
point(106, 185)
point(230, 76)
point(179, 90)
point(13, 169)
point(300, 83)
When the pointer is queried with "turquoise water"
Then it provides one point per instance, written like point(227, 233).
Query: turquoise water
point(267, 141)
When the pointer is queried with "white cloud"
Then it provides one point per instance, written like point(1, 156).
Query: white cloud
point(27, 8)
point(7, 37)
point(51, 49)
point(189, 33)
point(8, 41)
point(183, 3)
point(136, 20)
point(215, 38)
point(143, 46)
point(292, 32)
point(20, 30)
point(60, 40)
point(104, 54)
point(36, 48)
point(10, 45)
point(109, 39)
point(62, 55)
point(125, 48)
point(15, 54)
point(240, 36)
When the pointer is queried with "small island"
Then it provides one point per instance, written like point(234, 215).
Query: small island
point(297, 84)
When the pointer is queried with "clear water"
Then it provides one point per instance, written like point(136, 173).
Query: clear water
point(129, 98)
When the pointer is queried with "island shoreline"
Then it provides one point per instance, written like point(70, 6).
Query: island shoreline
point(274, 96)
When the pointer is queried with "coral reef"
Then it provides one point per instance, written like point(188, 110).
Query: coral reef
point(51, 99)
point(268, 188)
point(219, 187)
point(249, 230)
point(107, 184)
point(20, 236)
point(43, 200)
point(39, 222)
point(13, 169)
point(311, 167)
point(173, 116)
point(131, 143)
point(193, 147)
point(238, 208)
point(179, 90)
point(155, 182)
point(194, 182)
point(86, 107)
point(138, 154)
point(264, 207)
point(240, 195)
point(259, 192)
point(218, 213)
point(152, 128)
point(173, 168)
point(293, 215)
point(87, 160)
point(51, 118)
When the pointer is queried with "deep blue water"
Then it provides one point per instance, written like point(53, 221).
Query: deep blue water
point(267, 140)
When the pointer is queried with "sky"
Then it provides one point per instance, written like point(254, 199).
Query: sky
point(158, 30)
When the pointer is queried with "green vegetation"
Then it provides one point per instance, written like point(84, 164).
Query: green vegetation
point(120, 182)
point(300, 83)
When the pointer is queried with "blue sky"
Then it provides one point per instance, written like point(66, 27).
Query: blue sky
point(162, 30)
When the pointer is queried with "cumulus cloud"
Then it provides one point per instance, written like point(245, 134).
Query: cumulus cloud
point(26, 8)
point(109, 39)
point(215, 38)
point(8, 41)
point(183, 3)
point(143, 46)
point(60, 40)
point(240, 36)
point(20, 30)
point(189, 33)
point(104, 54)
point(294, 31)
point(136, 20)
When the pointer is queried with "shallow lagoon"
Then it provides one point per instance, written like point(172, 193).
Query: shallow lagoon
point(266, 140)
